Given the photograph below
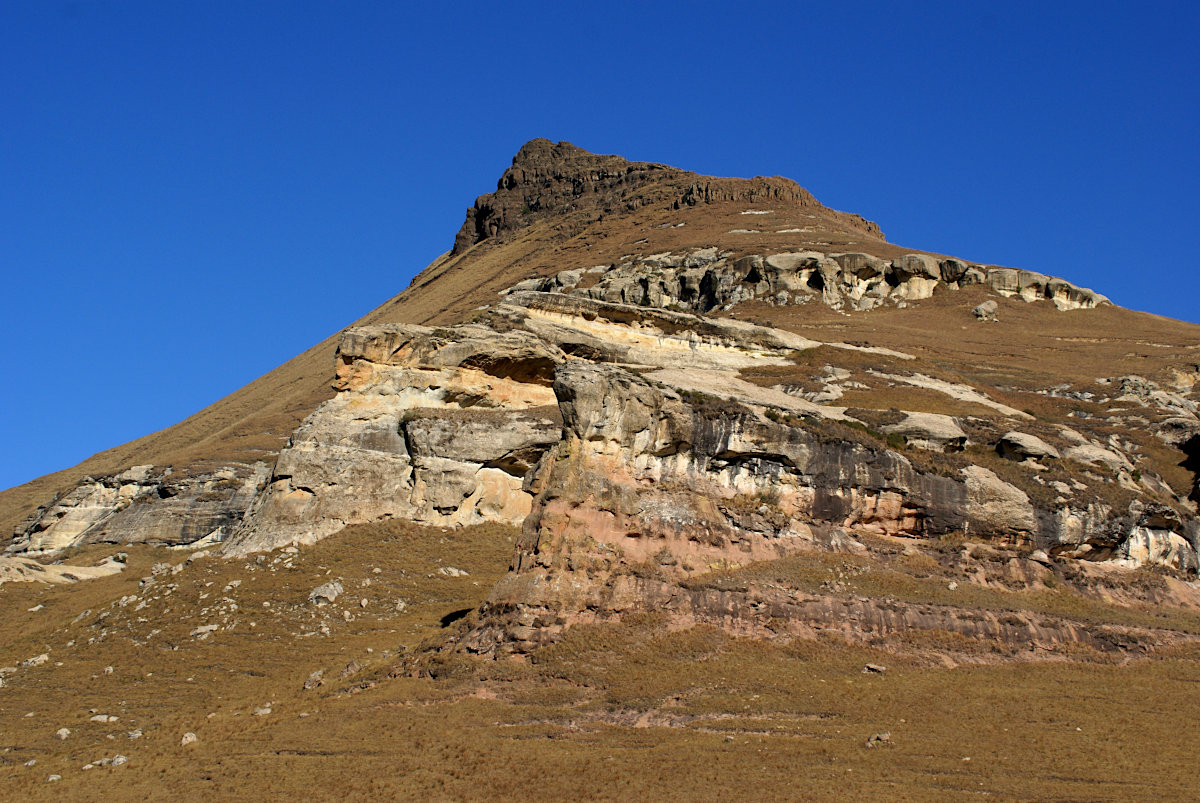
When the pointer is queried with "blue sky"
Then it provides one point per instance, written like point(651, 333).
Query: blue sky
point(191, 193)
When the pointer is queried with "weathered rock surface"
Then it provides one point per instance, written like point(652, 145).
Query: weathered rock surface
point(144, 505)
point(19, 569)
point(434, 426)
point(939, 433)
point(1022, 446)
point(1099, 457)
point(996, 508)
point(609, 331)
point(708, 279)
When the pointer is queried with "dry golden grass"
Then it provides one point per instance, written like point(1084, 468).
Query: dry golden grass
point(611, 712)
point(1033, 345)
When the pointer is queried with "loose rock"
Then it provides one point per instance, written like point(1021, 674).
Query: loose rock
point(1020, 446)
point(877, 739)
point(325, 594)
point(986, 311)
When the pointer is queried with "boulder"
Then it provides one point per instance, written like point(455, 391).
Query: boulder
point(986, 311)
point(953, 270)
point(1021, 446)
point(1099, 457)
point(919, 265)
point(995, 508)
point(326, 593)
point(938, 433)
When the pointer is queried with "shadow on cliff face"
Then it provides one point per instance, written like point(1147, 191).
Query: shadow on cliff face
point(1192, 463)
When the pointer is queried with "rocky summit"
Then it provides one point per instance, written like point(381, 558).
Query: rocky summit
point(639, 406)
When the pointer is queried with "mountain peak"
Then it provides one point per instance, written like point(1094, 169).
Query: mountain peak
point(541, 150)
point(563, 180)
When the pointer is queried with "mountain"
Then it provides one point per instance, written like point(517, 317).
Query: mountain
point(653, 414)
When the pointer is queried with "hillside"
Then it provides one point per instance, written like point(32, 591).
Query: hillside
point(647, 465)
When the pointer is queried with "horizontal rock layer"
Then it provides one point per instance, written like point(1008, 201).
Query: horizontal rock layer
point(645, 483)
point(707, 278)
point(596, 425)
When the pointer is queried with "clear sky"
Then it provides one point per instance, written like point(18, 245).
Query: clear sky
point(193, 192)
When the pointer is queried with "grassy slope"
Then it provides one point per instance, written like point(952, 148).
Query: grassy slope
point(611, 712)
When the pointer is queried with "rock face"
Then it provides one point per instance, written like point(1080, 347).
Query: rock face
point(996, 508)
point(708, 279)
point(625, 440)
point(144, 505)
point(593, 425)
point(646, 486)
point(648, 490)
point(434, 426)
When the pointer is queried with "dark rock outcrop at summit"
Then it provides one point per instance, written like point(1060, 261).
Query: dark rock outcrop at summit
point(549, 180)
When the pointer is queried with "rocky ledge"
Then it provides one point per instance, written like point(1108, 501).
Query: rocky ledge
point(144, 505)
point(706, 279)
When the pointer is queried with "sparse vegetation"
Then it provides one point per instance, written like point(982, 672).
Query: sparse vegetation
point(713, 407)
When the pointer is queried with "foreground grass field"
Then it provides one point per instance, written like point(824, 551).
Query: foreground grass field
point(617, 711)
